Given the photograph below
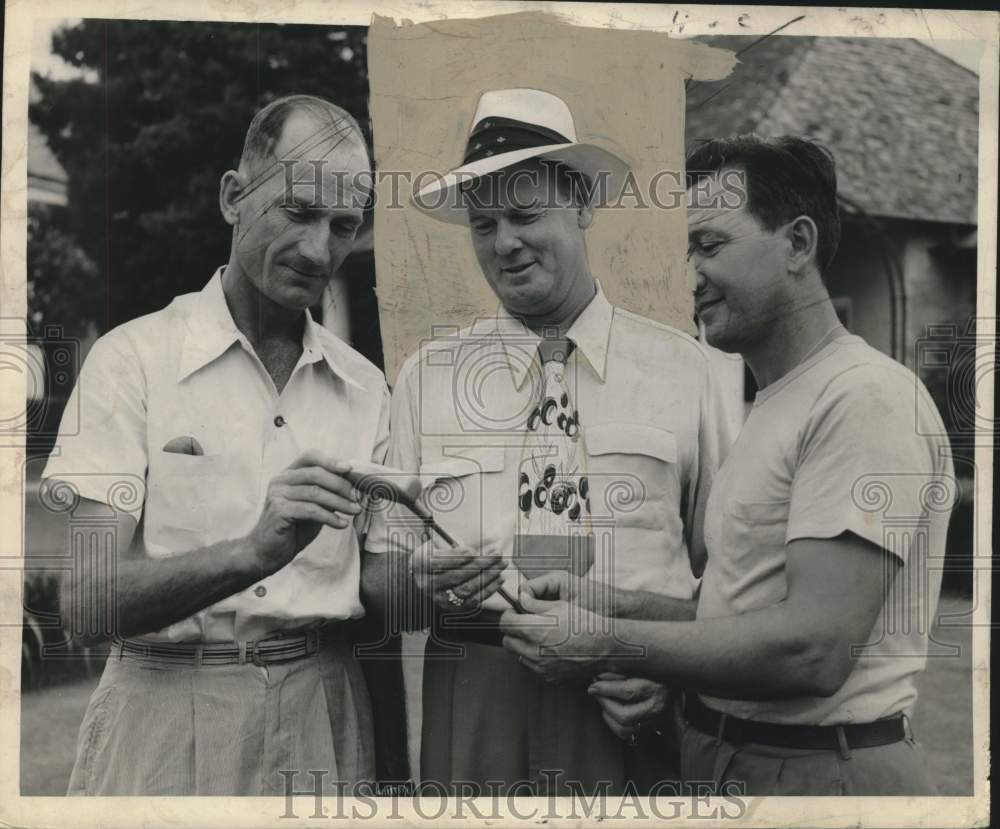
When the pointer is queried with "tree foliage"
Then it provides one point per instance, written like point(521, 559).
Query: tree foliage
point(61, 277)
point(146, 142)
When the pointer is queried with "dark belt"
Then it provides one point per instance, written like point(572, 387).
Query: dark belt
point(737, 731)
point(481, 627)
point(269, 651)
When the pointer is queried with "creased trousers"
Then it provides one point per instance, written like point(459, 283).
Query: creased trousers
point(159, 728)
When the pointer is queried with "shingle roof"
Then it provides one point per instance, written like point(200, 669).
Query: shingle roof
point(901, 119)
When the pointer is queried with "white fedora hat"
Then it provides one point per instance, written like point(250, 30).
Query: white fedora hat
point(511, 126)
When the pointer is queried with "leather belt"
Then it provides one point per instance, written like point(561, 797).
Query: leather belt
point(269, 651)
point(836, 737)
point(481, 627)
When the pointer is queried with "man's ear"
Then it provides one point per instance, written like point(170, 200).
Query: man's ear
point(803, 238)
point(230, 192)
point(584, 216)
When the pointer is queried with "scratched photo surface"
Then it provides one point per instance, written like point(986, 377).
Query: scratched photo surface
point(132, 123)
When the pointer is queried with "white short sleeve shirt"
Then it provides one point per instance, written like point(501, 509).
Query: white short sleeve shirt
point(188, 372)
point(653, 429)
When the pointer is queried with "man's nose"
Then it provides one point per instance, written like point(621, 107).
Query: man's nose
point(316, 245)
point(695, 276)
point(507, 240)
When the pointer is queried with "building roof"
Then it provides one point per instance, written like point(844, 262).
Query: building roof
point(901, 119)
point(47, 179)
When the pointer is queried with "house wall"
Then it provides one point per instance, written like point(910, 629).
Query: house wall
point(940, 281)
point(860, 272)
point(940, 344)
point(941, 293)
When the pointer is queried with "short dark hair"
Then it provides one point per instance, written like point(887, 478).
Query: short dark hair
point(265, 128)
point(786, 177)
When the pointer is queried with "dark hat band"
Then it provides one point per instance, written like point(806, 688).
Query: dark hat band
point(495, 136)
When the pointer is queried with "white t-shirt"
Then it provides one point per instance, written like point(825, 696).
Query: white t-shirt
point(849, 441)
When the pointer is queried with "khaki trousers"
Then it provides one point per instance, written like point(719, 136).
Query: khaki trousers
point(158, 728)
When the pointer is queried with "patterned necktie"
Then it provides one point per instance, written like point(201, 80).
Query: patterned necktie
point(552, 480)
point(554, 533)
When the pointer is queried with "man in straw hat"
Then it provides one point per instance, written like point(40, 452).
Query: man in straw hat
point(815, 611)
point(562, 432)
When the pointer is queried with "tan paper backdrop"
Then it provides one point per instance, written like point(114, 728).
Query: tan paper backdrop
point(626, 92)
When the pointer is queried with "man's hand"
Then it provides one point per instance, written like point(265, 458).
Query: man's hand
point(458, 578)
point(556, 586)
point(627, 701)
point(558, 641)
point(559, 586)
point(310, 493)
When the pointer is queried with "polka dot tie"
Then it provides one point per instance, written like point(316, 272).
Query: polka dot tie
point(552, 480)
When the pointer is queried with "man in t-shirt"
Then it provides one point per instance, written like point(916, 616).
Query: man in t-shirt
point(820, 524)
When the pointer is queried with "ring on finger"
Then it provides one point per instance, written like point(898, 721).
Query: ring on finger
point(453, 598)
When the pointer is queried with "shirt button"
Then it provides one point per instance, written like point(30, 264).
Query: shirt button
point(279, 421)
point(260, 591)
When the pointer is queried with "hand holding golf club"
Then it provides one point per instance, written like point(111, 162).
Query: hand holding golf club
point(456, 578)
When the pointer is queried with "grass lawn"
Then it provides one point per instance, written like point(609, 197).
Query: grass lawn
point(50, 718)
point(942, 719)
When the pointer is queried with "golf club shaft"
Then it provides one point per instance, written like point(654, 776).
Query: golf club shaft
point(450, 540)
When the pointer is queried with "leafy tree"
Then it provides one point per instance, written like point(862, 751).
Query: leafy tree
point(61, 277)
point(145, 135)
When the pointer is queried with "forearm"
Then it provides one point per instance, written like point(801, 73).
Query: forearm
point(655, 607)
point(389, 591)
point(152, 593)
point(762, 655)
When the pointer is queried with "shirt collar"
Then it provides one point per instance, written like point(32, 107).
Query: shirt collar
point(211, 331)
point(590, 333)
point(321, 343)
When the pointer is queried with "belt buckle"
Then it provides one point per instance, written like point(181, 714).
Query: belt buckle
point(256, 657)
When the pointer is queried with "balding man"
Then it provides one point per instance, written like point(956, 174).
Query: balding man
point(234, 413)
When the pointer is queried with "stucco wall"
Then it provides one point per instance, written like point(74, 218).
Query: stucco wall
point(626, 92)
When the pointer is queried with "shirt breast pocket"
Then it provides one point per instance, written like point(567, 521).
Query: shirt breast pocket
point(190, 493)
point(632, 471)
point(463, 487)
point(753, 549)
